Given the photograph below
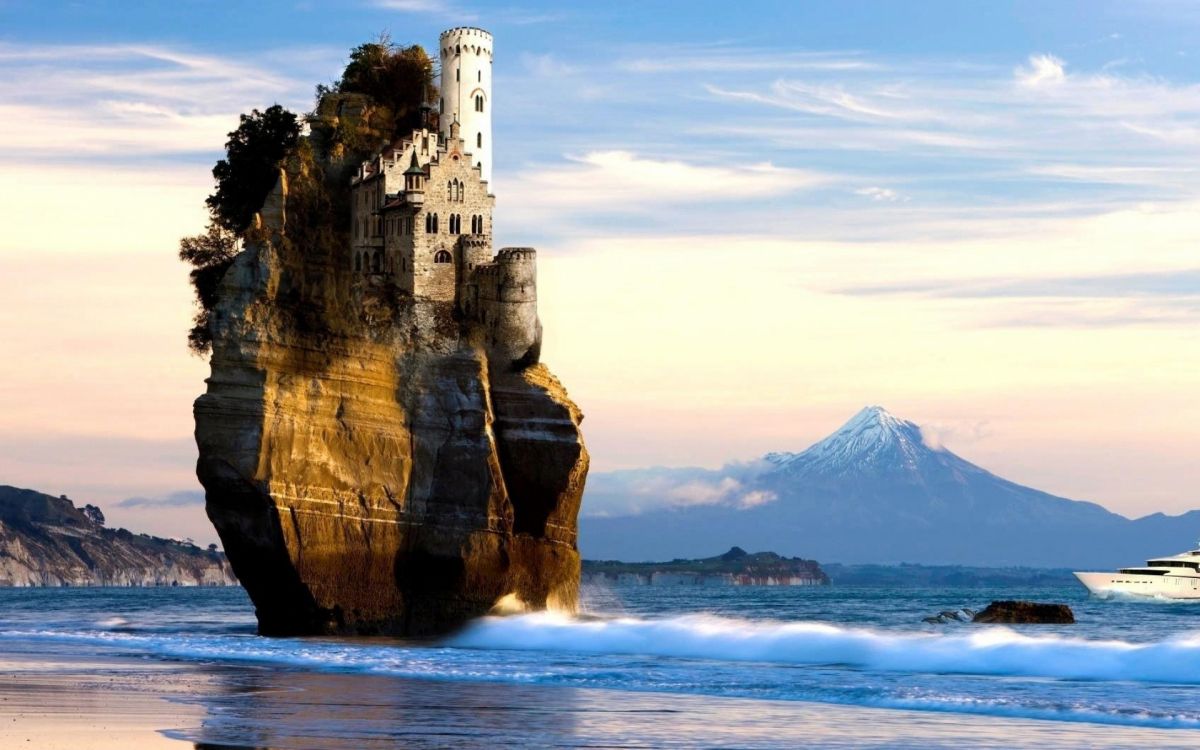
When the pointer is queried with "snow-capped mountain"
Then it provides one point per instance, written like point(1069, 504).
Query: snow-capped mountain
point(873, 443)
point(876, 490)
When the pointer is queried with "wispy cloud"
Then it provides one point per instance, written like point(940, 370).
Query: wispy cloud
point(1169, 298)
point(431, 7)
point(1181, 283)
point(642, 490)
point(608, 180)
point(172, 500)
point(123, 99)
point(877, 193)
point(1041, 70)
point(741, 61)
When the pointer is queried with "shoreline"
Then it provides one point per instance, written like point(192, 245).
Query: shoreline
point(72, 700)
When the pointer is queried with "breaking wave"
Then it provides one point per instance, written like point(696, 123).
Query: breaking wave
point(1063, 678)
point(996, 651)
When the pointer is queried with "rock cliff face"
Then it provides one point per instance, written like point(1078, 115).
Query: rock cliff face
point(47, 541)
point(368, 468)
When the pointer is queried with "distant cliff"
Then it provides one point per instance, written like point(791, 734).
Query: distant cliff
point(734, 568)
point(47, 541)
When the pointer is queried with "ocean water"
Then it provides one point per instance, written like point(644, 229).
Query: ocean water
point(1131, 663)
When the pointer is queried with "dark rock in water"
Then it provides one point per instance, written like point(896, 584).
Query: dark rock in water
point(951, 615)
point(1022, 612)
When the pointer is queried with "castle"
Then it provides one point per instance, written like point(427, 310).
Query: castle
point(421, 212)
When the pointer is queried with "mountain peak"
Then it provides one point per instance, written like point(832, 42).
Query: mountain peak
point(872, 439)
point(874, 416)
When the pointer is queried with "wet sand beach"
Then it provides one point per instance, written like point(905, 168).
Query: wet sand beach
point(132, 702)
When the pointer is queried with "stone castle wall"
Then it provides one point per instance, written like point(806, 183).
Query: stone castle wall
point(507, 306)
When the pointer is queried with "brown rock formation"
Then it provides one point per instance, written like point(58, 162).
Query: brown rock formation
point(368, 469)
point(1022, 612)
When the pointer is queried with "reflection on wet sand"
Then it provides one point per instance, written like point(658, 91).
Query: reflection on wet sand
point(289, 710)
point(51, 701)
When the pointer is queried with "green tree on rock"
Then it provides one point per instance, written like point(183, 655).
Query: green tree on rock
point(210, 255)
point(398, 78)
point(251, 165)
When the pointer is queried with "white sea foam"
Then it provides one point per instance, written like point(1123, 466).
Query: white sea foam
point(714, 655)
point(986, 651)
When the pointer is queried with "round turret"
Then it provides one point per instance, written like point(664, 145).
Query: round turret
point(466, 84)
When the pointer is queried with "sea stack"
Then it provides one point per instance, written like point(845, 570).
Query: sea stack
point(381, 449)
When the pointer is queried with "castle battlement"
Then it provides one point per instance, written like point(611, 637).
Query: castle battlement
point(517, 255)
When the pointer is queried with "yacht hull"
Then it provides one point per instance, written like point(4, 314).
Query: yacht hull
point(1159, 586)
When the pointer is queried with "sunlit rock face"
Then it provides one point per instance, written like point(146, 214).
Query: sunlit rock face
point(368, 468)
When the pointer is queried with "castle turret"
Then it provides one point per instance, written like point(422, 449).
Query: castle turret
point(508, 307)
point(466, 85)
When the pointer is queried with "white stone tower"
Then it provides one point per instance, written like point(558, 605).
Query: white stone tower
point(467, 92)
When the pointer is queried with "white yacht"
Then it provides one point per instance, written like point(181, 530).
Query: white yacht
point(1175, 577)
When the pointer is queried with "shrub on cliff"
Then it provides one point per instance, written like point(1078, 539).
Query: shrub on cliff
point(246, 175)
point(399, 79)
point(382, 94)
point(210, 255)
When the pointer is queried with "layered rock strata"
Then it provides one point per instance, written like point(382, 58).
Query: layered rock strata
point(369, 469)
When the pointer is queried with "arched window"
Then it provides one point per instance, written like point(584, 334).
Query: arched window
point(479, 102)
point(449, 190)
point(441, 256)
point(479, 140)
point(377, 262)
point(435, 224)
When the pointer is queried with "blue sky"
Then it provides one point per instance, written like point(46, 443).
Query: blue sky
point(754, 219)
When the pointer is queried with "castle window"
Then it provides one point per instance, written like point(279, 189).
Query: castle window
point(479, 102)
point(479, 76)
point(377, 262)
point(441, 256)
point(479, 140)
point(435, 223)
point(357, 262)
point(449, 190)
point(457, 72)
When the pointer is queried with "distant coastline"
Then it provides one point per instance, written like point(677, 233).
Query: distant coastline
point(734, 568)
point(47, 541)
